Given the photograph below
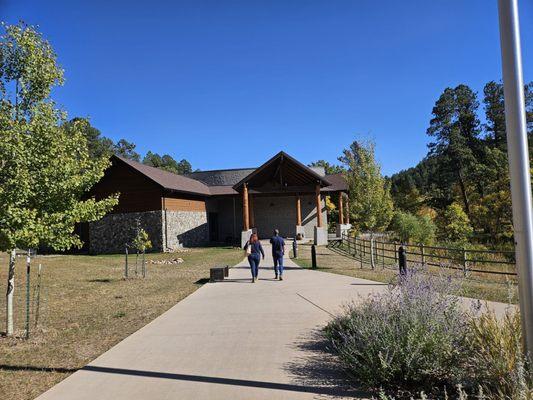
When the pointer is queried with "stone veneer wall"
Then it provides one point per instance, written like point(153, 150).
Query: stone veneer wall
point(185, 228)
point(114, 231)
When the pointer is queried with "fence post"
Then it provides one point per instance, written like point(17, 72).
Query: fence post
point(313, 256)
point(372, 261)
point(465, 263)
point(395, 254)
point(38, 300)
point(422, 255)
point(28, 266)
point(295, 248)
point(126, 264)
point(383, 255)
point(143, 266)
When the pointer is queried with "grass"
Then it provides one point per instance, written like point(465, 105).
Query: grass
point(479, 286)
point(87, 307)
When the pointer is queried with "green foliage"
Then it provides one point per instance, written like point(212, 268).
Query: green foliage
point(454, 225)
point(126, 149)
point(411, 337)
point(45, 168)
point(372, 207)
point(141, 242)
point(167, 163)
point(411, 228)
point(329, 168)
point(467, 163)
point(497, 358)
point(99, 146)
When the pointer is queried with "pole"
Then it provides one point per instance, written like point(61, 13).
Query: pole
point(313, 256)
point(38, 301)
point(28, 265)
point(126, 265)
point(515, 123)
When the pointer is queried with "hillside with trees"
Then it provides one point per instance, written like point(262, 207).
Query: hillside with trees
point(462, 184)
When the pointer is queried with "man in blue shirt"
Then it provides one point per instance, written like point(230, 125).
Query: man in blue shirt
point(278, 250)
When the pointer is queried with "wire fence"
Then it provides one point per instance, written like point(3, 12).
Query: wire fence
point(30, 296)
point(384, 254)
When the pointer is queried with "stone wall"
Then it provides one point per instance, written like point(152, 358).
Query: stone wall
point(114, 231)
point(185, 229)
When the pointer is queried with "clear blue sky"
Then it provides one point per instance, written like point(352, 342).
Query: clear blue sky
point(230, 83)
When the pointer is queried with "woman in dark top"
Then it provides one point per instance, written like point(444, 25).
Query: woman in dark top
point(254, 255)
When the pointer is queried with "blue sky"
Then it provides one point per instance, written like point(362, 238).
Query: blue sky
point(229, 83)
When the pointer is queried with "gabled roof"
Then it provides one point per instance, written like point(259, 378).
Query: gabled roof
point(167, 180)
point(287, 169)
point(338, 183)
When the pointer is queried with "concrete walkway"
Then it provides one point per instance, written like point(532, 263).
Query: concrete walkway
point(229, 340)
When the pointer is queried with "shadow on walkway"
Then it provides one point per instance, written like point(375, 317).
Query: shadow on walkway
point(318, 368)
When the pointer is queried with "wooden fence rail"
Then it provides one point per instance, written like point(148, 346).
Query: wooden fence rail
point(384, 254)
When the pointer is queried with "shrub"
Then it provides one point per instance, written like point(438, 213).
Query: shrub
point(411, 228)
point(498, 362)
point(454, 224)
point(411, 337)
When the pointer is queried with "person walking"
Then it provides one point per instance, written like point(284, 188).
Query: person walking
point(278, 251)
point(254, 250)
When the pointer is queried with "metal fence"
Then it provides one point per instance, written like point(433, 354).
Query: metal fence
point(384, 254)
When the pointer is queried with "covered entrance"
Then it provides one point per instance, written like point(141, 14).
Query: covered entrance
point(284, 194)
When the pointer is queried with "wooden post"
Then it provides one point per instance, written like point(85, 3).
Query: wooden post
point(383, 255)
point(341, 210)
point(318, 207)
point(422, 255)
point(245, 212)
point(347, 210)
point(465, 263)
point(251, 207)
point(395, 255)
point(298, 211)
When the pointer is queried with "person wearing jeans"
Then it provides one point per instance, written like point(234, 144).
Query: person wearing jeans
point(278, 250)
point(254, 250)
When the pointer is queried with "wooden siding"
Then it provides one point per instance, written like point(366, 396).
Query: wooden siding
point(184, 204)
point(137, 192)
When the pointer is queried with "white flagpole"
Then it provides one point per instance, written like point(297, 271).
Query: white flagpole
point(517, 145)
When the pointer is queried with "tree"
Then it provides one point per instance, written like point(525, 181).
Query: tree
point(330, 169)
point(372, 207)
point(413, 228)
point(99, 146)
point(456, 128)
point(45, 170)
point(167, 163)
point(454, 224)
point(126, 149)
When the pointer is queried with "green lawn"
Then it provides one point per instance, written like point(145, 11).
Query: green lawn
point(480, 286)
point(87, 307)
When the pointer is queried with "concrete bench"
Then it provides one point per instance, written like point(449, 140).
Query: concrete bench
point(218, 273)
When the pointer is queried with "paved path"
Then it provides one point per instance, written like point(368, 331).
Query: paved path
point(229, 340)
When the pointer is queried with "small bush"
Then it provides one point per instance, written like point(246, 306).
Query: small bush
point(409, 228)
point(497, 360)
point(412, 337)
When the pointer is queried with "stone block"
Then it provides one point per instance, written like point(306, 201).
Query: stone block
point(300, 230)
point(245, 236)
point(321, 236)
point(343, 229)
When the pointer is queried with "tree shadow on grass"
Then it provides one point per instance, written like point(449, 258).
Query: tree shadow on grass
point(319, 368)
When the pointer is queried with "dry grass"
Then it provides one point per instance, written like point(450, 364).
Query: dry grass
point(87, 307)
point(479, 286)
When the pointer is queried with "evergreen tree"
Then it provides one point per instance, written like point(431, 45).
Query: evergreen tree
point(126, 149)
point(329, 168)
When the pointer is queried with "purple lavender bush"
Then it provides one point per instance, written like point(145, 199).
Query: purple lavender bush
point(412, 337)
